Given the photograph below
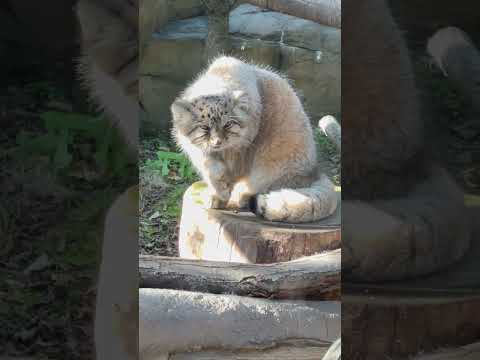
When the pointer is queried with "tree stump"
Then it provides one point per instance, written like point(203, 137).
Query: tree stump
point(418, 315)
point(242, 237)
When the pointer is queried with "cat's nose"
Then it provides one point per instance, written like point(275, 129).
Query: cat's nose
point(216, 142)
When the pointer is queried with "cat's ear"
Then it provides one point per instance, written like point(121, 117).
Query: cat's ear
point(240, 100)
point(181, 110)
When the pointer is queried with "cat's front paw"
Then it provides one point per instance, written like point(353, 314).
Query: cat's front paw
point(239, 203)
point(214, 201)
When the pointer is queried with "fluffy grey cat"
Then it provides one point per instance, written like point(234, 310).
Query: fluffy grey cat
point(245, 130)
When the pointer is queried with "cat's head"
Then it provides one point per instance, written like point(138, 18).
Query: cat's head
point(214, 122)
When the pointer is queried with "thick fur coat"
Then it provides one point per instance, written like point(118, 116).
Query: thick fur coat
point(246, 131)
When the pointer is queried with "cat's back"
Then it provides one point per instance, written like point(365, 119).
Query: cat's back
point(231, 68)
point(223, 74)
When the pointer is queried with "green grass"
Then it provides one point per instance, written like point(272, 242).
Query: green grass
point(173, 203)
point(63, 130)
point(328, 151)
point(165, 174)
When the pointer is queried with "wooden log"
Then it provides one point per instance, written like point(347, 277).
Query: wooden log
point(297, 351)
point(455, 53)
point(334, 351)
point(244, 238)
point(315, 277)
point(376, 326)
point(172, 321)
point(325, 12)
point(408, 317)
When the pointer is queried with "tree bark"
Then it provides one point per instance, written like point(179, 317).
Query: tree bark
point(401, 325)
point(300, 350)
point(324, 12)
point(217, 41)
point(173, 321)
point(423, 314)
point(316, 277)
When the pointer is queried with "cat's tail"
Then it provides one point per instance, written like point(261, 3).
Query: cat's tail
point(306, 204)
point(297, 205)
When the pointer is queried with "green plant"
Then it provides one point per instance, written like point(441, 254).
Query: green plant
point(324, 143)
point(167, 161)
point(174, 201)
point(63, 129)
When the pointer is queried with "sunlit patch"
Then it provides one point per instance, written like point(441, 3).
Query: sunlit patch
point(240, 193)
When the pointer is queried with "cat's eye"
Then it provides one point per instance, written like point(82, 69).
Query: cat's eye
point(205, 128)
point(228, 125)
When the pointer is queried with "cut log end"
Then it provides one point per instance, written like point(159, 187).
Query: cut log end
point(242, 237)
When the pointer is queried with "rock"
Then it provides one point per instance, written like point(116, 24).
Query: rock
point(252, 21)
point(181, 9)
point(307, 52)
point(155, 14)
point(259, 51)
point(316, 75)
point(157, 95)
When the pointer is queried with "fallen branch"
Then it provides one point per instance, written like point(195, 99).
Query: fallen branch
point(314, 277)
point(297, 351)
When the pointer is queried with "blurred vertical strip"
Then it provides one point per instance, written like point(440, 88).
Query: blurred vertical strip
point(411, 177)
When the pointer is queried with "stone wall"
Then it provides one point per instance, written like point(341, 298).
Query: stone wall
point(308, 53)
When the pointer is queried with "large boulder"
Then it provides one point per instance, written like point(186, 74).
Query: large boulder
point(155, 14)
point(307, 52)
